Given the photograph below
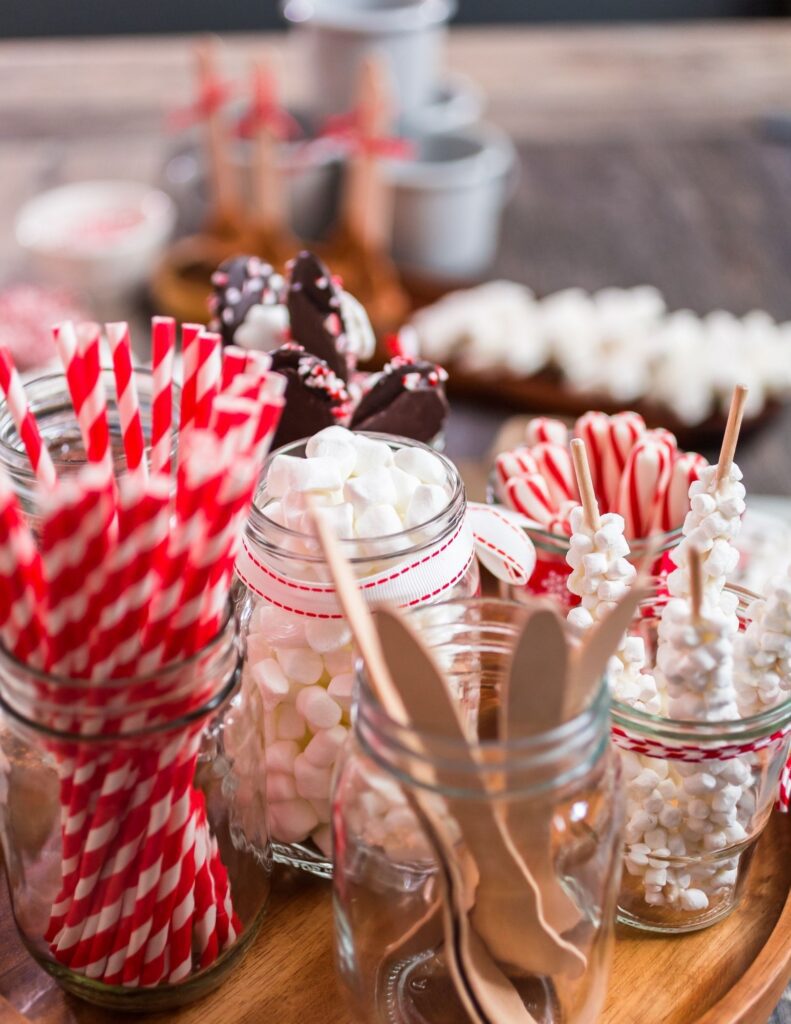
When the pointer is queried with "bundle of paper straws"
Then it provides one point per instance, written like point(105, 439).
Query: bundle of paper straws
point(126, 576)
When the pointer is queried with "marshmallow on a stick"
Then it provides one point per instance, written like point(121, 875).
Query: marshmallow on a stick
point(762, 655)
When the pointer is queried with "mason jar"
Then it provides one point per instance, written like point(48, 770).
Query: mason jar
point(558, 791)
point(50, 402)
point(131, 879)
point(698, 796)
point(298, 678)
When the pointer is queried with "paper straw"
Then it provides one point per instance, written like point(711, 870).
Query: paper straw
point(207, 377)
point(25, 421)
point(126, 397)
point(163, 340)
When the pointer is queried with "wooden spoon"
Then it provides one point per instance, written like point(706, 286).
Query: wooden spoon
point(473, 973)
point(508, 913)
point(533, 703)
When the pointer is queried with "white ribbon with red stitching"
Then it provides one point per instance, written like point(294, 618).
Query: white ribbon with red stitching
point(694, 754)
point(503, 548)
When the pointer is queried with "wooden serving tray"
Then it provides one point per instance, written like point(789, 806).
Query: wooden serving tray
point(732, 973)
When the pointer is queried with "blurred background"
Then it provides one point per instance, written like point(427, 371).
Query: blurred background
point(93, 17)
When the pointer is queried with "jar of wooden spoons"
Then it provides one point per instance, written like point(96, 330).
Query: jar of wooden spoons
point(477, 848)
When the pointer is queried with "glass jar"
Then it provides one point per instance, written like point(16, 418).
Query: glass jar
point(299, 648)
point(50, 402)
point(687, 853)
point(550, 576)
point(147, 901)
point(388, 930)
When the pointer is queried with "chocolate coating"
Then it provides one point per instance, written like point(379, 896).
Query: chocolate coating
point(315, 396)
point(314, 309)
point(240, 283)
point(407, 398)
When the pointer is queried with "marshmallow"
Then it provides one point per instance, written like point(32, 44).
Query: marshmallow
point(317, 708)
point(371, 454)
point(290, 473)
point(327, 635)
point(762, 653)
point(292, 820)
point(427, 501)
point(323, 748)
point(423, 464)
point(378, 521)
point(301, 665)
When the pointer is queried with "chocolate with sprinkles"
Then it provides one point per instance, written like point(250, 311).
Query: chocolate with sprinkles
point(239, 284)
point(315, 396)
point(314, 309)
point(407, 398)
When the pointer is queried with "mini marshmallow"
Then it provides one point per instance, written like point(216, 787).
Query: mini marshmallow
point(280, 786)
point(317, 708)
point(311, 782)
point(292, 820)
point(378, 521)
point(343, 453)
point(323, 748)
point(291, 473)
point(271, 680)
point(423, 464)
point(339, 662)
point(427, 501)
point(301, 665)
point(280, 755)
point(341, 689)
point(371, 454)
point(375, 487)
point(322, 837)
point(327, 635)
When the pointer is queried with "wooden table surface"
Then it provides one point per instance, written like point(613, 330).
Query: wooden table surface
point(649, 154)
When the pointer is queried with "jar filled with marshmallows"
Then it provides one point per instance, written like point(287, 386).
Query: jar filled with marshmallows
point(400, 512)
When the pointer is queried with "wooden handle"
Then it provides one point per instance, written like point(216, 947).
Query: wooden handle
point(732, 427)
point(695, 583)
point(582, 470)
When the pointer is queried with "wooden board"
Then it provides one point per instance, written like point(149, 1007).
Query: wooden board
point(732, 973)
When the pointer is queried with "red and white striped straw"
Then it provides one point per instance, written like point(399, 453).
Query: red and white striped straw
point(234, 362)
point(79, 352)
point(208, 376)
point(25, 421)
point(127, 398)
point(189, 369)
point(163, 342)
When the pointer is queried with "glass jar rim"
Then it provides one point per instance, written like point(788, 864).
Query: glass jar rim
point(223, 641)
point(495, 756)
point(17, 458)
point(738, 730)
point(258, 520)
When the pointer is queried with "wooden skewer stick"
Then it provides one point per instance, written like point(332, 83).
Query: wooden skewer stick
point(732, 428)
point(367, 212)
point(268, 197)
point(225, 195)
point(582, 471)
point(695, 584)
